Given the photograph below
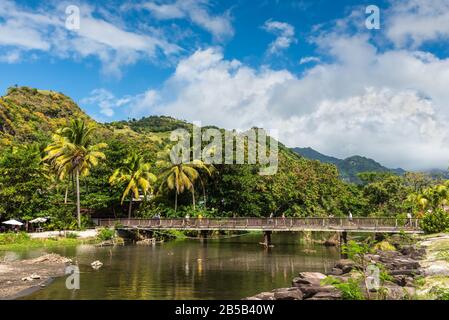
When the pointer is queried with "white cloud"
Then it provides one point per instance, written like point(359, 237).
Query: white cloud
point(44, 31)
point(197, 11)
point(105, 100)
point(285, 35)
point(396, 127)
point(391, 106)
point(108, 103)
point(306, 60)
point(415, 22)
point(10, 57)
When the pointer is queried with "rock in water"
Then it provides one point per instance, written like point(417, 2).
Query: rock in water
point(288, 294)
point(96, 264)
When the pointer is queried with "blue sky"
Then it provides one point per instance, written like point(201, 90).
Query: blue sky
point(309, 69)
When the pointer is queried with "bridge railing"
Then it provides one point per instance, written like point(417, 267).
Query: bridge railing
point(266, 223)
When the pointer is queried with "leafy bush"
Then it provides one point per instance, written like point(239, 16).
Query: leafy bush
point(435, 222)
point(384, 246)
point(350, 290)
point(105, 234)
point(71, 235)
point(355, 251)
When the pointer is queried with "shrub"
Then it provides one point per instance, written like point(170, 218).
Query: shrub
point(105, 234)
point(384, 246)
point(350, 290)
point(71, 235)
point(435, 222)
point(10, 237)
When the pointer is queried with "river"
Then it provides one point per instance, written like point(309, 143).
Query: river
point(231, 268)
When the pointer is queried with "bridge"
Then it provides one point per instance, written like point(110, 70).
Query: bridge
point(269, 225)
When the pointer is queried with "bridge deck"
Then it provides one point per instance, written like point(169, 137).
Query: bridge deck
point(380, 225)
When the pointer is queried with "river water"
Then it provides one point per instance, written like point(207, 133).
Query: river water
point(231, 268)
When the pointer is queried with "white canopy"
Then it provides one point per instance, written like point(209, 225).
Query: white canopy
point(13, 222)
point(38, 220)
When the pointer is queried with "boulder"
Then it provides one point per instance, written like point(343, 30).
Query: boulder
point(288, 294)
point(340, 264)
point(309, 291)
point(395, 292)
point(400, 280)
point(437, 269)
point(405, 272)
point(264, 296)
point(334, 294)
point(336, 272)
point(413, 252)
point(311, 278)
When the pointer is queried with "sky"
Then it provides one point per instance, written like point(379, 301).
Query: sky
point(320, 73)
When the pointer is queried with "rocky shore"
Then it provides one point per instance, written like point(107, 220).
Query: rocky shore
point(411, 272)
point(19, 278)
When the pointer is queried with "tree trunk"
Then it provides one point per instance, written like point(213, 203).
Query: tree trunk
point(204, 192)
point(66, 194)
point(193, 198)
point(176, 200)
point(78, 204)
point(130, 209)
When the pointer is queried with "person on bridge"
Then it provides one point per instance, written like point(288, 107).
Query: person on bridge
point(409, 219)
point(350, 216)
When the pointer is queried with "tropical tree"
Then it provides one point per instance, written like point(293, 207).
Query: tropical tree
point(431, 198)
point(180, 177)
point(73, 152)
point(135, 175)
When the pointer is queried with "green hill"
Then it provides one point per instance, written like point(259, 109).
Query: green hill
point(349, 167)
point(28, 117)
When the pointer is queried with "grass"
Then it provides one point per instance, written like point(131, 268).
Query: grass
point(22, 241)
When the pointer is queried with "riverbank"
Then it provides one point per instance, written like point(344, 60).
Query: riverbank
point(24, 241)
point(404, 272)
point(19, 278)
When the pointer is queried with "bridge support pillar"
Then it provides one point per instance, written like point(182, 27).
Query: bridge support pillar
point(203, 235)
point(343, 241)
point(267, 239)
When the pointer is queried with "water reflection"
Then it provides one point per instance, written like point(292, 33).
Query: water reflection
point(215, 269)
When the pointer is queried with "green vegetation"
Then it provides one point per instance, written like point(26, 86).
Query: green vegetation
point(22, 241)
point(106, 234)
point(73, 153)
point(134, 175)
point(54, 162)
point(436, 221)
point(441, 293)
point(350, 290)
point(384, 246)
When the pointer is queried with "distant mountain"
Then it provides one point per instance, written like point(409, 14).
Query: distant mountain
point(349, 167)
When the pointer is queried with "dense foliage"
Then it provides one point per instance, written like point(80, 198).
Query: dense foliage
point(435, 222)
point(31, 187)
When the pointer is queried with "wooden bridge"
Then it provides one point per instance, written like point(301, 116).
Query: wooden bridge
point(376, 225)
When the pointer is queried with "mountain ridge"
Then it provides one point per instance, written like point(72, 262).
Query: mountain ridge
point(349, 167)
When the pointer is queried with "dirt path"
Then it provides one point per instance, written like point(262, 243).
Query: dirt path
point(19, 278)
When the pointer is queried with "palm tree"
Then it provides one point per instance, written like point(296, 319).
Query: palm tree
point(73, 152)
point(135, 173)
point(431, 198)
point(182, 176)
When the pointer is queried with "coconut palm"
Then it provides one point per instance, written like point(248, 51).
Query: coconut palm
point(182, 176)
point(136, 176)
point(73, 152)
